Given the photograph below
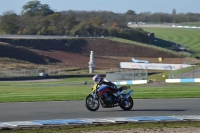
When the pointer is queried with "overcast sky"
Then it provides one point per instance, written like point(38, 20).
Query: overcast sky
point(116, 6)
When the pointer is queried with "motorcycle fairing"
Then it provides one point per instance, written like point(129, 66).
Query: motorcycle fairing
point(102, 89)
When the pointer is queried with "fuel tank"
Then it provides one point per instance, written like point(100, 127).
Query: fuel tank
point(102, 89)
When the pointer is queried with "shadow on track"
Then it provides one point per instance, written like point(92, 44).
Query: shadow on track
point(173, 110)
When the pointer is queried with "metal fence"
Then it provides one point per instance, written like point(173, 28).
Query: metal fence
point(189, 72)
point(186, 73)
point(135, 74)
point(31, 72)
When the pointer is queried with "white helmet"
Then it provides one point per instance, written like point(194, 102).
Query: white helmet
point(97, 79)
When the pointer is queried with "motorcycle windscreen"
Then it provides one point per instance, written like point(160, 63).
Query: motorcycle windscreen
point(103, 89)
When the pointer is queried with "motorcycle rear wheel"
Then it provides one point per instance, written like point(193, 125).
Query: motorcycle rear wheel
point(127, 104)
point(92, 106)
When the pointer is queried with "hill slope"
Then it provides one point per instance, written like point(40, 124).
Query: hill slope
point(75, 52)
point(187, 37)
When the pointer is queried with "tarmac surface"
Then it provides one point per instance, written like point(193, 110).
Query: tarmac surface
point(25, 111)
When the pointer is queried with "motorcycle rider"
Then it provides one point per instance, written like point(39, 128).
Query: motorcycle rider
point(102, 81)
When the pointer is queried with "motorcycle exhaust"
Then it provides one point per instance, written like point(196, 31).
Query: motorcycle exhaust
point(128, 94)
point(122, 92)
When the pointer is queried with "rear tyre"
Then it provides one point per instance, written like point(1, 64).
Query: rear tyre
point(90, 104)
point(127, 104)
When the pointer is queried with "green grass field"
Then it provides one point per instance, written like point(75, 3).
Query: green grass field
point(187, 37)
point(74, 89)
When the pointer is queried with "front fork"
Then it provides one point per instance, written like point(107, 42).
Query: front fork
point(94, 97)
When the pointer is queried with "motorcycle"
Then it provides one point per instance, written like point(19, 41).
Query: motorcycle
point(105, 96)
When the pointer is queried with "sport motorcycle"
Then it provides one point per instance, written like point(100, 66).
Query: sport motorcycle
point(109, 98)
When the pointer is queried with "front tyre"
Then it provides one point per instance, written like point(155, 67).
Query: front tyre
point(127, 104)
point(91, 103)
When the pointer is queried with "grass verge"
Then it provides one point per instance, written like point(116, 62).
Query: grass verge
point(143, 126)
point(74, 89)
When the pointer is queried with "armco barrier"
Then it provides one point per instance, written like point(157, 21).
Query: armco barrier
point(189, 80)
point(131, 82)
point(34, 123)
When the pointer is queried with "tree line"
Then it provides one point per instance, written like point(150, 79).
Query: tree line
point(40, 19)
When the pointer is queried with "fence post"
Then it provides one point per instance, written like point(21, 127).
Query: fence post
point(193, 72)
point(24, 72)
point(146, 73)
point(170, 72)
point(181, 71)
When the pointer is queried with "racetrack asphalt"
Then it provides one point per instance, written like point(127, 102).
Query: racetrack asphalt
point(25, 111)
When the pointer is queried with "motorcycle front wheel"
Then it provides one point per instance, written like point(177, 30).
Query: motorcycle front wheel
point(91, 103)
point(127, 104)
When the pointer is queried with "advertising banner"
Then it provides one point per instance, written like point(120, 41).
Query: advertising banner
point(154, 66)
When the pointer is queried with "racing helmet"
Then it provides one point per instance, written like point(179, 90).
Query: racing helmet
point(97, 79)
